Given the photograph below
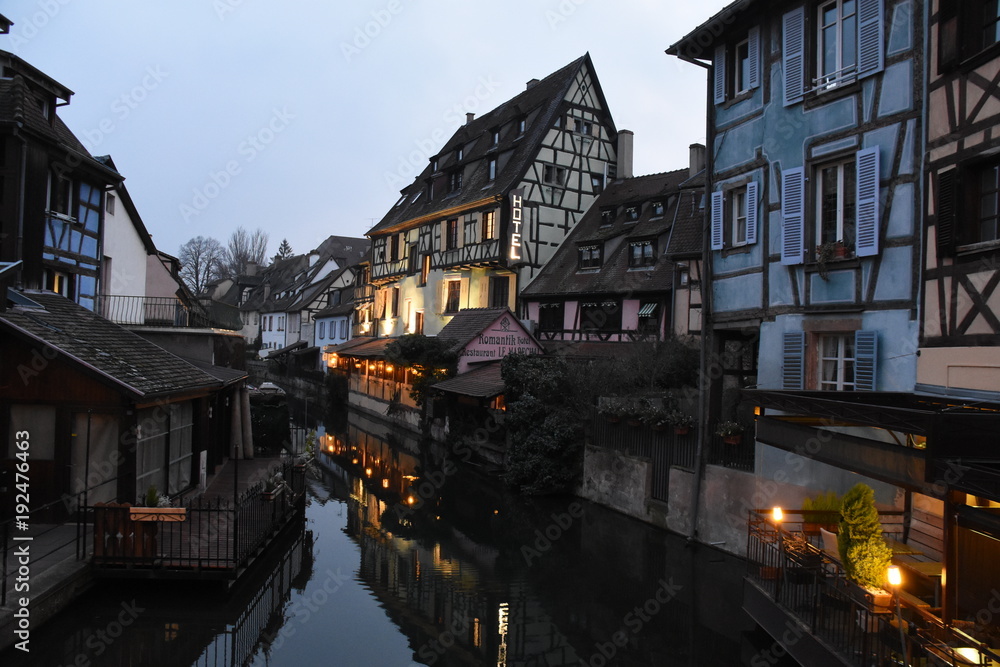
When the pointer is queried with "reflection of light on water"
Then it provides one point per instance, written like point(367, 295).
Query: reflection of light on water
point(477, 633)
point(502, 628)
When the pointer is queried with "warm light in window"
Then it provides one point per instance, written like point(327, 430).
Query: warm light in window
point(385, 484)
point(778, 515)
point(388, 369)
point(410, 500)
point(895, 579)
point(368, 471)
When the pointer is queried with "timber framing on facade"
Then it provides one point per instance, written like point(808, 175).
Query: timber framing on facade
point(492, 205)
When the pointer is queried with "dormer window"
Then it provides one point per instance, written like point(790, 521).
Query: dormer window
point(492, 168)
point(641, 253)
point(460, 153)
point(589, 256)
point(657, 209)
point(607, 216)
point(455, 181)
point(632, 213)
point(495, 136)
point(434, 165)
point(522, 123)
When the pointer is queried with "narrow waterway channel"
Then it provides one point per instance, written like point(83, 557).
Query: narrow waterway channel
point(406, 558)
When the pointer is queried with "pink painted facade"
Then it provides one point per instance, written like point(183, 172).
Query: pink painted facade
point(505, 336)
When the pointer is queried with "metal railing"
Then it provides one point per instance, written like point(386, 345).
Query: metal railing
point(168, 312)
point(598, 335)
point(663, 447)
point(740, 455)
point(200, 535)
point(810, 584)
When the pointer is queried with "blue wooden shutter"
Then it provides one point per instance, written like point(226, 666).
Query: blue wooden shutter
point(793, 353)
point(867, 202)
point(865, 360)
point(793, 55)
point(751, 212)
point(792, 216)
point(753, 55)
point(719, 74)
point(870, 38)
point(947, 209)
point(716, 221)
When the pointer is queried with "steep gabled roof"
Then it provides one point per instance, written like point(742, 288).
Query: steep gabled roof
point(466, 324)
point(540, 104)
point(561, 276)
point(103, 347)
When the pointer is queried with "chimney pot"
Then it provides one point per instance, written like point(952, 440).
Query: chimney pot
point(469, 117)
point(697, 159)
point(625, 141)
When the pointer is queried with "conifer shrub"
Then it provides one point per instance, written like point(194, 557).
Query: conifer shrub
point(863, 550)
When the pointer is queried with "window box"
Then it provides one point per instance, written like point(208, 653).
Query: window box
point(158, 514)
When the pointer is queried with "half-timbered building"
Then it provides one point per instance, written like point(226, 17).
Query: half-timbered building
point(493, 204)
point(625, 272)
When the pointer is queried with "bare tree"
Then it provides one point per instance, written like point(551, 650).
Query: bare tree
point(244, 247)
point(201, 262)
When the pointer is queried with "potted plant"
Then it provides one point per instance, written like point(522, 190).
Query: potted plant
point(613, 408)
point(730, 431)
point(154, 506)
point(820, 511)
point(681, 421)
point(825, 252)
point(273, 486)
point(862, 547)
point(656, 416)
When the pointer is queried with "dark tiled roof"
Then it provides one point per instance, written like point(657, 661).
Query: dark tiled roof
point(687, 235)
point(540, 104)
point(561, 277)
point(112, 351)
point(362, 347)
point(466, 324)
point(484, 381)
point(228, 376)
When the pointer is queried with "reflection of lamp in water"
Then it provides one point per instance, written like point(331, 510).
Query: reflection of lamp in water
point(385, 483)
point(410, 500)
point(895, 579)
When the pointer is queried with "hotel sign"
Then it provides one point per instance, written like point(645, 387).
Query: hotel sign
point(503, 337)
point(516, 219)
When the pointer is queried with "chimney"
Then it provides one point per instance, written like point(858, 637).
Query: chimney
point(625, 140)
point(469, 117)
point(531, 83)
point(251, 268)
point(697, 159)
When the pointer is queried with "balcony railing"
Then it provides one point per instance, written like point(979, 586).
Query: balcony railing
point(808, 583)
point(598, 335)
point(154, 311)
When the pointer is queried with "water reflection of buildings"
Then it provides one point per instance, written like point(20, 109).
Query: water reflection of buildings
point(444, 592)
point(444, 555)
point(171, 624)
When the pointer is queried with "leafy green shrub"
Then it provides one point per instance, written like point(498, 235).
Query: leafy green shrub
point(863, 550)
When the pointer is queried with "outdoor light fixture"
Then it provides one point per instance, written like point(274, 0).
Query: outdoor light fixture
point(778, 515)
point(368, 471)
point(895, 579)
point(410, 500)
point(385, 483)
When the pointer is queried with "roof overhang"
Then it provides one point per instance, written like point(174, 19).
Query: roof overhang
point(440, 213)
point(696, 46)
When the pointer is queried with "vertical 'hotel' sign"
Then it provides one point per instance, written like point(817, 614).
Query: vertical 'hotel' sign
point(516, 218)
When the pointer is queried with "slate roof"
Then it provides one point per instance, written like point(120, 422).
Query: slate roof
point(466, 324)
point(112, 351)
point(677, 231)
point(484, 381)
point(540, 104)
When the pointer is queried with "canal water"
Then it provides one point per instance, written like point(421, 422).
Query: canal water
point(404, 556)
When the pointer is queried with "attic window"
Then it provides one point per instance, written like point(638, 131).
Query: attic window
point(403, 199)
point(657, 208)
point(460, 153)
point(492, 166)
point(607, 216)
point(585, 127)
point(434, 165)
point(495, 132)
point(632, 212)
point(522, 123)
point(455, 181)
point(109, 203)
point(554, 175)
point(416, 197)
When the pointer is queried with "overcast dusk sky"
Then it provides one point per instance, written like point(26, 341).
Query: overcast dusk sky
point(306, 118)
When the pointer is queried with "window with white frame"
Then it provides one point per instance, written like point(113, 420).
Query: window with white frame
point(836, 41)
point(836, 362)
point(489, 225)
point(738, 214)
point(836, 205)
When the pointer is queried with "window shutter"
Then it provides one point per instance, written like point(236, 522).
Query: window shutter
point(793, 54)
point(752, 212)
point(792, 216)
point(719, 74)
point(870, 39)
point(793, 352)
point(947, 204)
point(753, 53)
point(717, 221)
point(865, 359)
point(867, 202)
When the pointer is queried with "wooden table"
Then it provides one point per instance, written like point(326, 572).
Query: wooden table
point(930, 571)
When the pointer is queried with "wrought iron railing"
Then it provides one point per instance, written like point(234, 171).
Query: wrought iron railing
point(809, 584)
point(738, 454)
point(167, 312)
point(598, 335)
point(205, 535)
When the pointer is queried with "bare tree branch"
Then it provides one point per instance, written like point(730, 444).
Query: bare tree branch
point(201, 262)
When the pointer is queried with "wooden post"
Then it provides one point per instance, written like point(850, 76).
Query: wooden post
point(950, 574)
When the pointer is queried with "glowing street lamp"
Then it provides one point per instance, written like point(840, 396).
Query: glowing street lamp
point(895, 579)
point(778, 515)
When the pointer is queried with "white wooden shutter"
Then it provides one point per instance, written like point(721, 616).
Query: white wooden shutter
point(793, 352)
point(865, 360)
point(753, 54)
point(752, 212)
point(793, 55)
point(719, 74)
point(792, 216)
point(867, 202)
point(717, 217)
point(871, 47)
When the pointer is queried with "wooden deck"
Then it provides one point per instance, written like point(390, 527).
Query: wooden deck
point(212, 535)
